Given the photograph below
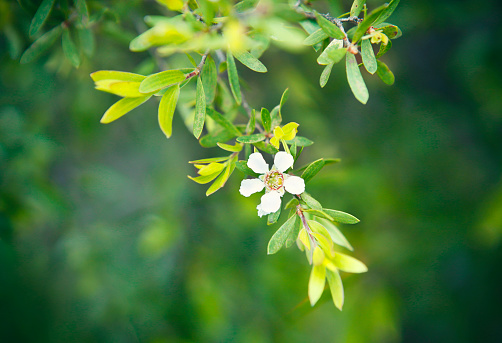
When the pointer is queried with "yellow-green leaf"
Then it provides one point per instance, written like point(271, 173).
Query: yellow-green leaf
point(211, 168)
point(316, 283)
point(249, 61)
point(209, 79)
point(333, 53)
point(279, 237)
point(233, 78)
point(203, 179)
point(200, 109)
point(116, 75)
point(222, 179)
point(126, 89)
point(161, 80)
point(316, 37)
point(384, 73)
point(368, 56)
point(331, 29)
point(166, 109)
point(173, 5)
point(232, 148)
point(121, 107)
point(336, 287)
point(349, 264)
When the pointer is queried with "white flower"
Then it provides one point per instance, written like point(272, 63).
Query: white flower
point(275, 181)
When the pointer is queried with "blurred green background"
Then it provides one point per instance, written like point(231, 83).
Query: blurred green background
point(103, 238)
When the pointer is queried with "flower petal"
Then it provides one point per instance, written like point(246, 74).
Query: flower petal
point(294, 185)
point(283, 161)
point(257, 163)
point(270, 203)
point(251, 186)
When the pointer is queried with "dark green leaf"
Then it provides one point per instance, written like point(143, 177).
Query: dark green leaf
point(331, 29)
point(293, 234)
point(86, 38)
point(357, 7)
point(209, 79)
point(293, 150)
point(292, 203)
point(310, 27)
point(300, 141)
point(275, 116)
point(391, 31)
point(200, 109)
point(257, 137)
point(69, 49)
point(385, 74)
point(265, 119)
point(355, 79)
point(366, 23)
point(279, 238)
point(40, 45)
point(40, 17)
point(312, 170)
point(82, 11)
point(250, 127)
point(311, 202)
point(316, 37)
point(211, 140)
point(387, 12)
point(383, 49)
point(341, 217)
point(233, 78)
point(274, 217)
point(268, 148)
point(319, 214)
point(243, 167)
point(250, 61)
point(368, 56)
point(325, 74)
point(223, 122)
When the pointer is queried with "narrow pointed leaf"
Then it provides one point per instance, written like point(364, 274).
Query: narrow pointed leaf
point(316, 37)
point(312, 170)
point(203, 179)
point(383, 49)
point(331, 29)
point(156, 82)
point(121, 107)
point(257, 137)
point(126, 89)
point(357, 7)
point(233, 78)
point(251, 125)
point(265, 119)
point(355, 79)
point(311, 202)
point(333, 53)
point(316, 283)
point(335, 287)
point(349, 264)
point(267, 148)
point(222, 179)
point(272, 218)
point(69, 49)
point(300, 141)
point(223, 122)
point(249, 61)
point(367, 22)
point(385, 74)
point(336, 235)
point(243, 167)
point(86, 38)
point(232, 148)
point(368, 56)
point(166, 109)
point(320, 214)
point(81, 8)
point(210, 160)
point(200, 109)
point(209, 79)
point(212, 139)
point(40, 17)
point(41, 45)
point(391, 31)
point(279, 238)
point(341, 217)
point(387, 12)
point(325, 75)
point(116, 75)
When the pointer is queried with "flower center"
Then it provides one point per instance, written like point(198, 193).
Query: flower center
point(274, 180)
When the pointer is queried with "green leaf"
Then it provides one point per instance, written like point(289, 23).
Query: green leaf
point(126, 89)
point(292, 203)
point(265, 119)
point(331, 29)
point(116, 75)
point(336, 287)
point(387, 12)
point(200, 109)
point(357, 7)
point(268, 148)
point(223, 122)
point(166, 109)
point(233, 78)
point(249, 61)
point(349, 264)
point(385, 74)
point(311, 202)
point(212, 139)
point(121, 107)
point(391, 31)
point(279, 238)
point(250, 127)
point(293, 234)
point(273, 217)
point(190, 58)
point(310, 27)
point(300, 141)
point(368, 21)
point(368, 56)
point(383, 49)
point(156, 82)
point(243, 167)
point(86, 38)
point(333, 53)
point(222, 179)
point(81, 8)
point(316, 283)
point(257, 137)
point(336, 235)
point(203, 179)
point(210, 160)
point(209, 79)
point(312, 170)
point(40, 45)
point(69, 49)
point(319, 214)
point(232, 148)
point(355, 79)
point(41, 16)
point(341, 217)
point(316, 37)
point(325, 75)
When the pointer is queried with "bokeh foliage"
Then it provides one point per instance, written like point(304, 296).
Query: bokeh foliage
point(101, 241)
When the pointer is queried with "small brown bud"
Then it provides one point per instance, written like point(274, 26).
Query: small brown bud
point(352, 49)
